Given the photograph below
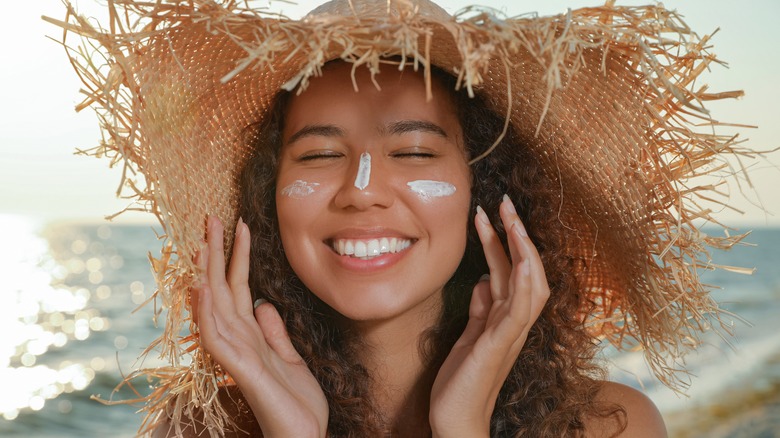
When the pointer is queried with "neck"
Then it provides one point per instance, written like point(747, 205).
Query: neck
point(401, 380)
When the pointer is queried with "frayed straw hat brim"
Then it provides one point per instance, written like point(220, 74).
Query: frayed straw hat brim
point(604, 97)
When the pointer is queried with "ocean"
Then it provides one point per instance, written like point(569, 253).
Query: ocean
point(72, 326)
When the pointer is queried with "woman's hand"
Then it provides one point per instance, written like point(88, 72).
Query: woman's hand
point(253, 346)
point(501, 313)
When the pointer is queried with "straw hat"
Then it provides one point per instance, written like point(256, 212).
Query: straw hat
point(604, 96)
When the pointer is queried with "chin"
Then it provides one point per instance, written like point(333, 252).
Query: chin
point(384, 305)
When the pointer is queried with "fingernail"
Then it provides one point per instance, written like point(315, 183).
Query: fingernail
point(482, 216)
point(509, 204)
point(484, 277)
point(258, 302)
point(239, 227)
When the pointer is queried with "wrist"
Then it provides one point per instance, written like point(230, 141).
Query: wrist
point(460, 433)
point(453, 429)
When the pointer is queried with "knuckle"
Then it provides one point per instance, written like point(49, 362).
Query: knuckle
point(522, 324)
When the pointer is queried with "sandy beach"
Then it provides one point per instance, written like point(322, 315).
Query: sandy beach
point(758, 417)
point(750, 413)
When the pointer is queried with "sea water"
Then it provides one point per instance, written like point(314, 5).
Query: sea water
point(72, 327)
point(729, 376)
point(68, 329)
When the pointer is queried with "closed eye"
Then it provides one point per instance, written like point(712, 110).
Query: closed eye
point(416, 154)
point(319, 155)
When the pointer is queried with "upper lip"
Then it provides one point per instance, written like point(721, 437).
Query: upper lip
point(368, 233)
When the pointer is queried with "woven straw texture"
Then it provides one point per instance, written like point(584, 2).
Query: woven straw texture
point(604, 96)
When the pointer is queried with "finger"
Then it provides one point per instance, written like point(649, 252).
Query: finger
point(206, 321)
point(513, 224)
point(202, 262)
point(216, 262)
point(522, 247)
point(238, 273)
point(203, 307)
point(528, 284)
point(541, 290)
point(521, 296)
point(194, 303)
point(479, 308)
point(223, 302)
point(494, 254)
point(275, 333)
point(480, 304)
point(200, 280)
point(510, 324)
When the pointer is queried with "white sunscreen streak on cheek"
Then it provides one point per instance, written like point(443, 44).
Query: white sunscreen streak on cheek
point(428, 189)
point(299, 189)
point(364, 171)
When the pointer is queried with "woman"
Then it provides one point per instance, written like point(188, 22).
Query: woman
point(360, 231)
point(386, 308)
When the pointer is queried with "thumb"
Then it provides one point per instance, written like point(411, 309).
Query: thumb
point(275, 332)
point(479, 308)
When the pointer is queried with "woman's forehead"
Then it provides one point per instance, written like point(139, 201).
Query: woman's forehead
point(388, 96)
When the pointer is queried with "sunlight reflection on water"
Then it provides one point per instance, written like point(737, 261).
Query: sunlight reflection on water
point(55, 287)
point(37, 313)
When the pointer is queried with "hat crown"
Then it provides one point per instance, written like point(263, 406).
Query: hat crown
point(379, 8)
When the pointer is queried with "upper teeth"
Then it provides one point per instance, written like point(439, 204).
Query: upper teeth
point(370, 248)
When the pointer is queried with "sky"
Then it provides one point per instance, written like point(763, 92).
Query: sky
point(41, 178)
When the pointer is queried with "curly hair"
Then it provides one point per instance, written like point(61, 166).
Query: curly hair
point(552, 387)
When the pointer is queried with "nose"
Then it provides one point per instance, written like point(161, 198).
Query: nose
point(365, 185)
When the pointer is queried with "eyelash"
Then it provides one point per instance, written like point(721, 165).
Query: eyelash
point(318, 156)
point(420, 155)
point(414, 155)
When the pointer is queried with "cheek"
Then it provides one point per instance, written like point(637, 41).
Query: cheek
point(428, 190)
point(447, 188)
point(288, 222)
point(448, 219)
point(451, 198)
point(299, 189)
point(445, 205)
point(296, 205)
point(301, 207)
point(296, 215)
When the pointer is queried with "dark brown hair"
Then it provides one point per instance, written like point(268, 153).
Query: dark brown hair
point(551, 388)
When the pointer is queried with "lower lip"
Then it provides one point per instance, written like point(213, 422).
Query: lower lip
point(377, 263)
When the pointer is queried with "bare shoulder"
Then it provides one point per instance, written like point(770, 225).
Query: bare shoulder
point(643, 420)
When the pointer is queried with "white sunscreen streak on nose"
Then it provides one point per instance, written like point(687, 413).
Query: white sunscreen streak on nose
point(428, 189)
point(364, 171)
point(299, 189)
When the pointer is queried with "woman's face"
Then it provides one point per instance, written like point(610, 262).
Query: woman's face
point(373, 192)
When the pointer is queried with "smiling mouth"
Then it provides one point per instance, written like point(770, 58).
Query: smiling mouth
point(367, 249)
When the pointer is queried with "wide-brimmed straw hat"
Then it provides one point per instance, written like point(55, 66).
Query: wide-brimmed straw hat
point(606, 99)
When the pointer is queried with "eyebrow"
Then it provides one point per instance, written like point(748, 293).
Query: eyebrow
point(406, 126)
point(395, 128)
point(316, 130)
